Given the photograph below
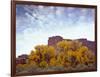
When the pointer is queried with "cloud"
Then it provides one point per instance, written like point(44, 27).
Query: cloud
point(34, 24)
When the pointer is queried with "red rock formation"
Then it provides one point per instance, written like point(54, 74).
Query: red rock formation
point(21, 59)
point(89, 44)
point(52, 41)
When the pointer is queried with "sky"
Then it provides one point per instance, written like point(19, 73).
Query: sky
point(36, 23)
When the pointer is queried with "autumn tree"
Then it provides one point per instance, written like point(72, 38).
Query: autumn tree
point(67, 51)
point(63, 45)
point(33, 58)
point(87, 56)
point(43, 64)
point(60, 59)
point(46, 52)
point(53, 62)
point(66, 54)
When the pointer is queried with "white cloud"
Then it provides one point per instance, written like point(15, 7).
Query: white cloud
point(37, 31)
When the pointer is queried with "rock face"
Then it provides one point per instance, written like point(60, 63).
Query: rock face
point(52, 41)
point(21, 59)
point(89, 44)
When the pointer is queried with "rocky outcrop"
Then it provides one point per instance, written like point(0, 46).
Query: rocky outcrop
point(21, 59)
point(89, 44)
point(52, 41)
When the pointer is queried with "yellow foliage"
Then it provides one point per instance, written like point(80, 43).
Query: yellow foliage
point(43, 64)
point(61, 59)
point(34, 57)
point(70, 53)
point(51, 51)
point(53, 62)
point(64, 45)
